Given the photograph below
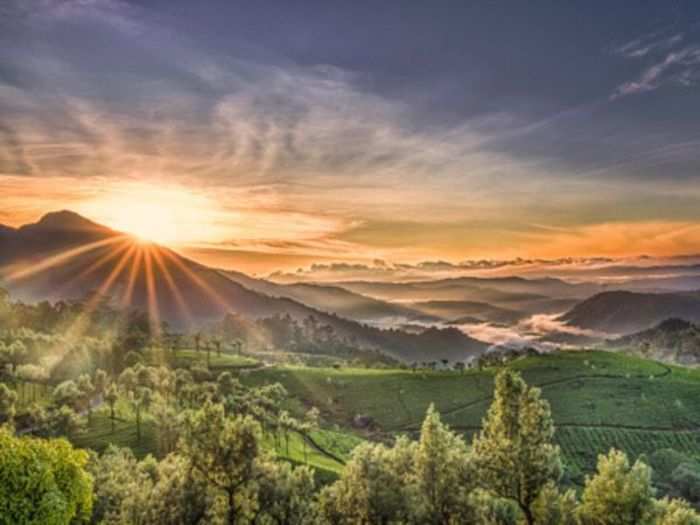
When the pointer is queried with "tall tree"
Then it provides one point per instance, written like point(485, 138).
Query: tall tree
point(224, 452)
point(514, 455)
point(442, 473)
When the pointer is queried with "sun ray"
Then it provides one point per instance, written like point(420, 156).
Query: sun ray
point(177, 294)
point(199, 281)
point(59, 258)
point(152, 294)
point(96, 265)
point(135, 267)
point(79, 325)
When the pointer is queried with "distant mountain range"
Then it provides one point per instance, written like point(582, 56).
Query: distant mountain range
point(335, 299)
point(65, 256)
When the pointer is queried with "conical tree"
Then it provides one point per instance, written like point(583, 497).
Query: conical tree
point(514, 455)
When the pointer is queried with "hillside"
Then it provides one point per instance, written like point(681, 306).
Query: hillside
point(673, 340)
point(65, 256)
point(599, 400)
point(623, 312)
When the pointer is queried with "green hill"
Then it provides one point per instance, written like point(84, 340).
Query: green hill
point(599, 400)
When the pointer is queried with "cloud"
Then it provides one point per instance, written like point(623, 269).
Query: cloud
point(671, 62)
point(650, 43)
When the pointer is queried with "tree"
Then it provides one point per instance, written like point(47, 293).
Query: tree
point(111, 397)
point(43, 482)
point(514, 456)
point(553, 507)
point(374, 487)
point(87, 390)
point(123, 488)
point(167, 423)
point(285, 494)
point(67, 394)
point(100, 382)
point(288, 425)
point(8, 400)
point(224, 452)
point(227, 385)
point(618, 494)
point(442, 473)
point(675, 512)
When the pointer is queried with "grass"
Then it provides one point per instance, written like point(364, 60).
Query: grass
point(186, 358)
point(598, 399)
point(337, 443)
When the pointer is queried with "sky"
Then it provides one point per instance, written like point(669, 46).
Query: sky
point(267, 136)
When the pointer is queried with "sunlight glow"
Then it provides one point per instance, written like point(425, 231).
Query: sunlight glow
point(166, 215)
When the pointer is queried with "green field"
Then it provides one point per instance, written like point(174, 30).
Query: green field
point(598, 399)
point(186, 358)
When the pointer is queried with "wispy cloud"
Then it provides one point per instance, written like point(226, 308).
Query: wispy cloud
point(669, 60)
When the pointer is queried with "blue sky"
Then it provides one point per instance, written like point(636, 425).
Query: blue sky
point(304, 131)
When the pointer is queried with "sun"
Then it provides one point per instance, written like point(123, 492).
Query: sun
point(165, 215)
point(149, 221)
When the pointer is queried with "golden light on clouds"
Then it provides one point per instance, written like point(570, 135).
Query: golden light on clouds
point(169, 215)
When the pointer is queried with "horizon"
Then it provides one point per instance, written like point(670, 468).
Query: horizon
point(381, 270)
point(492, 133)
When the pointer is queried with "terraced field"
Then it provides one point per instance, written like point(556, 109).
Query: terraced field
point(599, 400)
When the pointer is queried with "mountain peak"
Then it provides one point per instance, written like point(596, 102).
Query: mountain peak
point(65, 220)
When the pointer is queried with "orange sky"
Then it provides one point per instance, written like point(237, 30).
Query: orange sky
point(259, 234)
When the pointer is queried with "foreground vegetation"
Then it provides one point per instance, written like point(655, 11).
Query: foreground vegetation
point(219, 472)
point(192, 429)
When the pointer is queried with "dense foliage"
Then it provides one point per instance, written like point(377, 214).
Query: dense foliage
point(42, 482)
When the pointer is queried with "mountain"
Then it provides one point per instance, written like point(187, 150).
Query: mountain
point(459, 310)
point(334, 299)
point(494, 290)
point(623, 312)
point(65, 256)
point(673, 340)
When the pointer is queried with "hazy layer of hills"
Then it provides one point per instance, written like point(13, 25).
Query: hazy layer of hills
point(334, 299)
point(65, 256)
